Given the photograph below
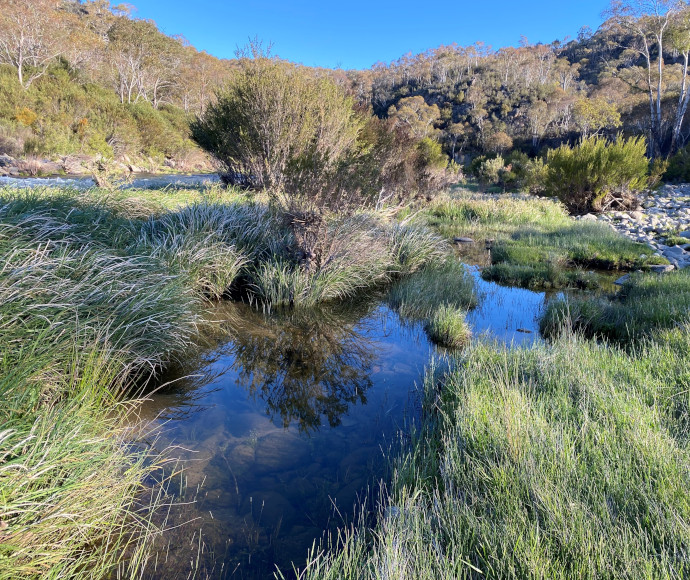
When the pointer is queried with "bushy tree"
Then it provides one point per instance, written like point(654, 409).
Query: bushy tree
point(594, 115)
point(597, 172)
point(276, 124)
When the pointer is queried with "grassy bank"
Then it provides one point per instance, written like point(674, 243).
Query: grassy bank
point(564, 460)
point(98, 292)
point(645, 304)
point(534, 243)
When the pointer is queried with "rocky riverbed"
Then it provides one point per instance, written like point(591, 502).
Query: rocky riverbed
point(663, 222)
point(86, 165)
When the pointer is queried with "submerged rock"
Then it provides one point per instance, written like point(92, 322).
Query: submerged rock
point(279, 451)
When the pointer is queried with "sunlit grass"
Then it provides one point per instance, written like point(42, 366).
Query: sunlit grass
point(645, 304)
point(535, 244)
point(447, 326)
point(567, 460)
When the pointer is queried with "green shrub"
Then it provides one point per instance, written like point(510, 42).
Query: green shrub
point(582, 177)
point(276, 123)
point(529, 174)
point(489, 171)
point(679, 166)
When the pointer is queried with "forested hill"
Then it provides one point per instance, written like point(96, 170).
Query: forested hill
point(82, 77)
point(85, 77)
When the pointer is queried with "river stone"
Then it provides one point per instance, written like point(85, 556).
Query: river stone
point(685, 234)
point(588, 217)
point(50, 167)
point(359, 461)
point(622, 280)
point(241, 457)
point(6, 161)
point(350, 495)
point(280, 451)
point(661, 268)
point(463, 240)
point(636, 215)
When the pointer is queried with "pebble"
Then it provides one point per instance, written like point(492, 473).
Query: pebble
point(665, 212)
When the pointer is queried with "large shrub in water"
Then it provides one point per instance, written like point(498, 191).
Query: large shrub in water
point(588, 176)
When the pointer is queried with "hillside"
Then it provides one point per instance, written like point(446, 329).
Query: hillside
point(85, 78)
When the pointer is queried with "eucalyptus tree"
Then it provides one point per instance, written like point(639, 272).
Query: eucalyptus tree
point(646, 27)
point(32, 35)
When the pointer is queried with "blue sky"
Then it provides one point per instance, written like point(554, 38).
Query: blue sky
point(358, 33)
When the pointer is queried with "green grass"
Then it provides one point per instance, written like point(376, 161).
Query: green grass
point(445, 283)
point(535, 243)
point(646, 303)
point(72, 500)
point(674, 240)
point(361, 252)
point(540, 275)
point(447, 327)
point(563, 460)
point(93, 301)
point(439, 296)
point(98, 292)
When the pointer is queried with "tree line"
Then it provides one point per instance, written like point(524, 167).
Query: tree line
point(85, 76)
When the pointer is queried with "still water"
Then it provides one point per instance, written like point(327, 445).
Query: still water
point(283, 425)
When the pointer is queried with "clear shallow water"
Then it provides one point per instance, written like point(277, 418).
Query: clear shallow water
point(140, 181)
point(284, 424)
point(282, 431)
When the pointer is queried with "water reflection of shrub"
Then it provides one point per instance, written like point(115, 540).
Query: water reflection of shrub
point(304, 364)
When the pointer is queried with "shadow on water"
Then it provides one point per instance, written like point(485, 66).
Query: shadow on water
point(283, 426)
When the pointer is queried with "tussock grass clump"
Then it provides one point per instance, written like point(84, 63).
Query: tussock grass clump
point(80, 320)
point(567, 460)
point(645, 304)
point(140, 309)
point(72, 503)
point(200, 241)
point(440, 284)
point(447, 327)
point(413, 247)
point(357, 252)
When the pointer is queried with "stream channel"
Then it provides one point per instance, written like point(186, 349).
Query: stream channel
point(283, 426)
